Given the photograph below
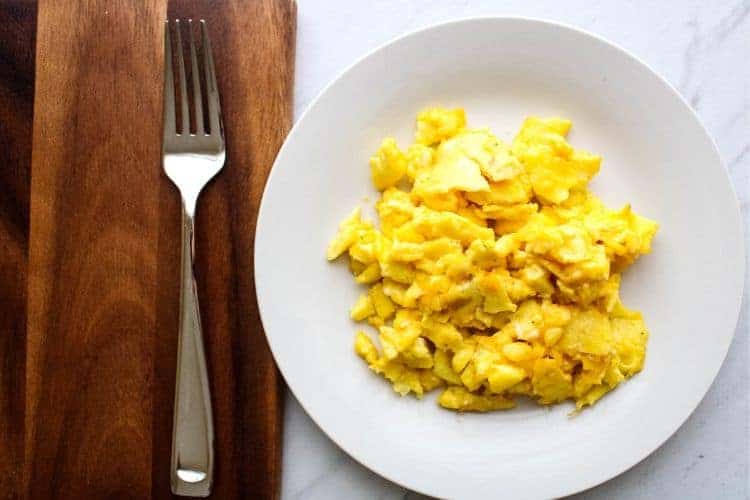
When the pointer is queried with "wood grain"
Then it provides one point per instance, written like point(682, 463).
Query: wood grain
point(17, 36)
point(92, 253)
point(104, 250)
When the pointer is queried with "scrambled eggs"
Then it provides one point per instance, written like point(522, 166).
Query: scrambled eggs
point(497, 273)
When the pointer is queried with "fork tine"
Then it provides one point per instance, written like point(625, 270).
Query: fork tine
point(197, 99)
point(212, 90)
point(185, 129)
point(169, 116)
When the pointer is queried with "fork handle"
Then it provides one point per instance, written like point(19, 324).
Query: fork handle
point(193, 430)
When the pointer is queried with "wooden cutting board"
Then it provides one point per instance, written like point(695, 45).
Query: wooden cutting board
point(90, 229)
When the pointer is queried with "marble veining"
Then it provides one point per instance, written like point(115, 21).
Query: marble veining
point(700, 47)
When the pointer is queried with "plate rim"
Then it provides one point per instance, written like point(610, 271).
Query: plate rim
point(585, 484)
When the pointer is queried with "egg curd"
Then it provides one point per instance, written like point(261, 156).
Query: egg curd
point(494, 272)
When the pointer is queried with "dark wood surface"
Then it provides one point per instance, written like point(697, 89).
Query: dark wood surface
point(17, 35)
point(93, 415)
point(92, 250)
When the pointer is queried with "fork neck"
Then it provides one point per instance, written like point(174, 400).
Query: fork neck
point(188, 206)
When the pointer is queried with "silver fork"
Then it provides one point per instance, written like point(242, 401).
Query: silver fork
point(190, 161)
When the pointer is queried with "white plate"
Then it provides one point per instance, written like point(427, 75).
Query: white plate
point(656, 155)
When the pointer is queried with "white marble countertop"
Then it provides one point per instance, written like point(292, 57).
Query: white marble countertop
point(700, 47)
